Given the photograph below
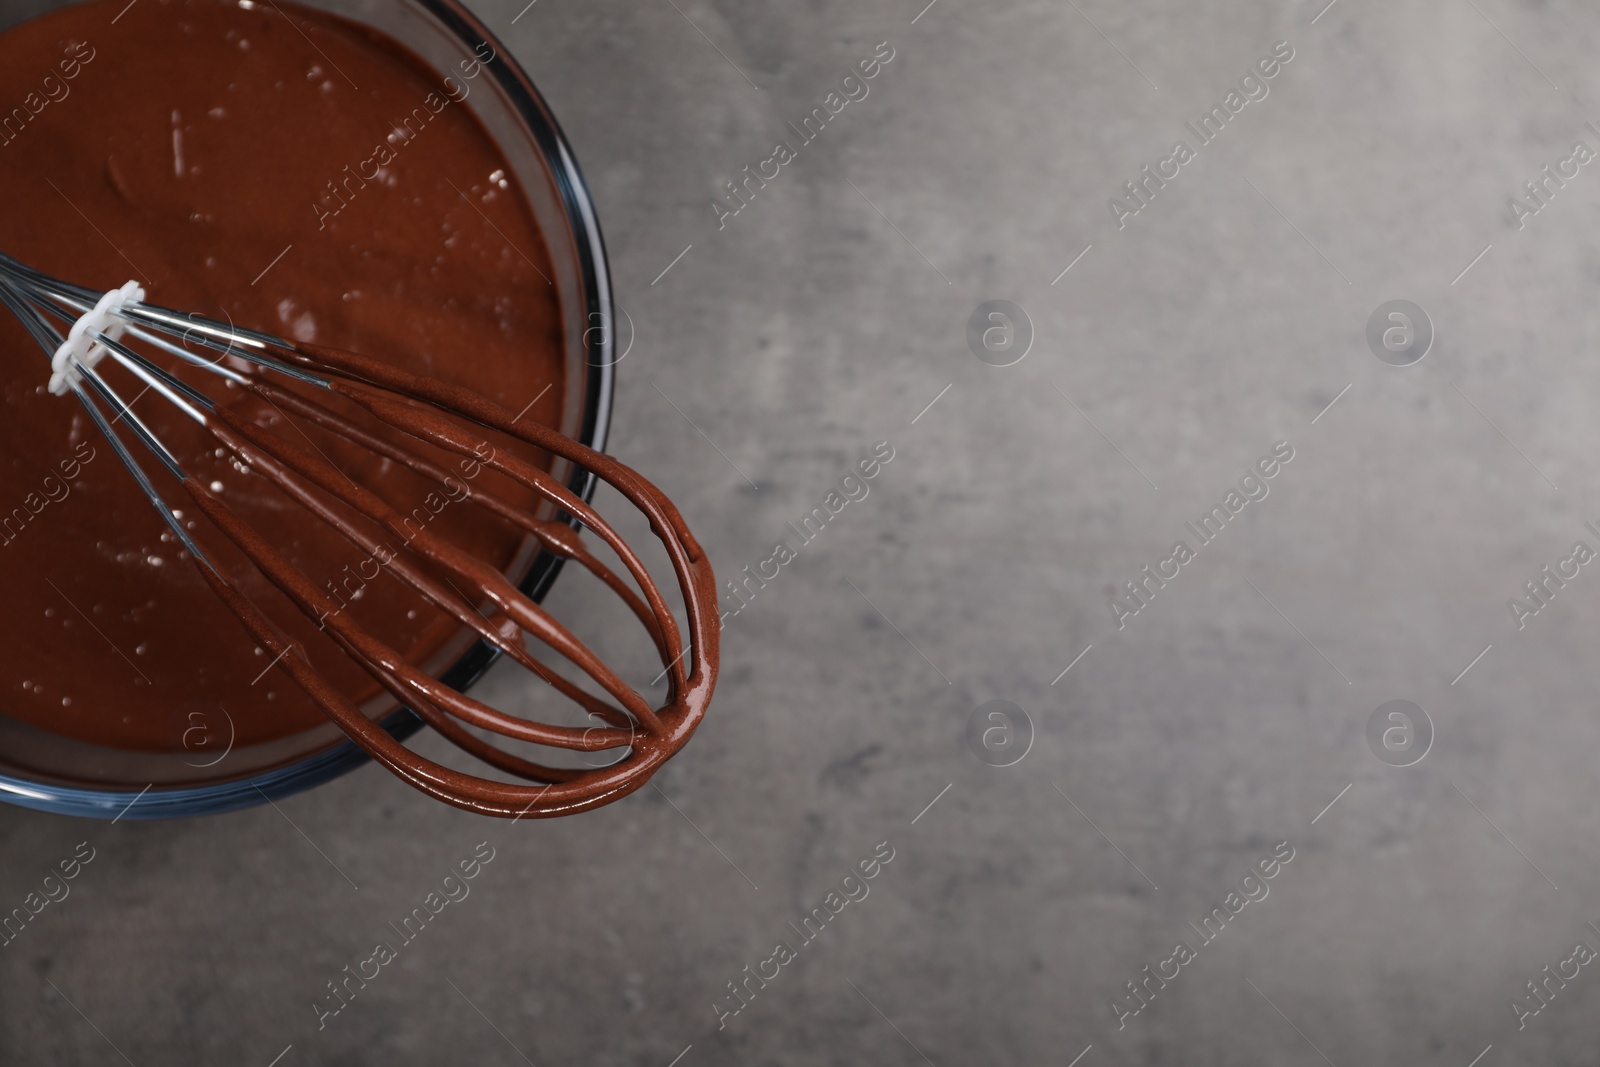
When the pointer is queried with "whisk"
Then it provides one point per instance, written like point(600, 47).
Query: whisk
point(103, 326)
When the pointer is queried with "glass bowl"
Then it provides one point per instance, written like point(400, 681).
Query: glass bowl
point(443, 34)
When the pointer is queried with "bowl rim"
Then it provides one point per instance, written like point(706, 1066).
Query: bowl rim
point(572, 193)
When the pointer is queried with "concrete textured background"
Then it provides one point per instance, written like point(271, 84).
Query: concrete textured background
point(1222, 720)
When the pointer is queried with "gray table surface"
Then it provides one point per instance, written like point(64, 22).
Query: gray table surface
point(1179, 750)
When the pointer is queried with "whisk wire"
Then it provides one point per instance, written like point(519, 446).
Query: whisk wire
point(442, 417)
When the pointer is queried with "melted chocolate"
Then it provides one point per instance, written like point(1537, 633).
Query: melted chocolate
point(317, 182)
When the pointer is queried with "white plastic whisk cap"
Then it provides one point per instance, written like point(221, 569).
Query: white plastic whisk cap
point(82, 347)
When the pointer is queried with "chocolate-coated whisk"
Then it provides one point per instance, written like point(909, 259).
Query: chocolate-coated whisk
point(102, 325)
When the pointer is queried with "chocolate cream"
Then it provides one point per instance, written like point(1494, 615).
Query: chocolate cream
point(288, 171)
